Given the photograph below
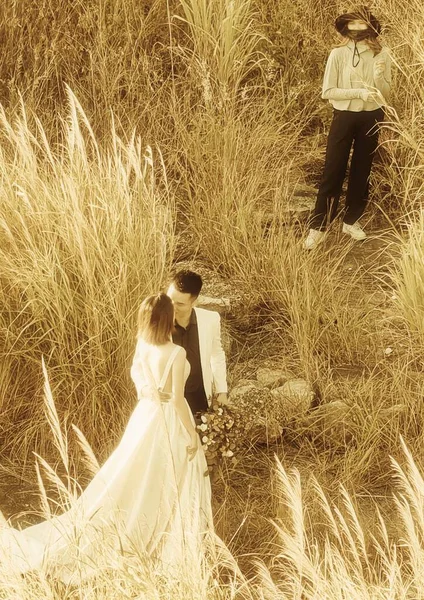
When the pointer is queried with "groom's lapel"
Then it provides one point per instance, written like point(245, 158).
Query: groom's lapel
point(202, 330)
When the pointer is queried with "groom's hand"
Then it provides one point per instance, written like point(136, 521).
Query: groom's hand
point(222, 398)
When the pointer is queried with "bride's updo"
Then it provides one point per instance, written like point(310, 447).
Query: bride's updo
point(155, 319)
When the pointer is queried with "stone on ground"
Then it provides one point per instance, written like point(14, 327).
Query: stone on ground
point(295, 398)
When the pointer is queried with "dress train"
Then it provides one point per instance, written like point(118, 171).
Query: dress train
point(147, 499)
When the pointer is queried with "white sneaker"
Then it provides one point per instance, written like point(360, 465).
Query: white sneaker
point(314, 238)
point(355, 231)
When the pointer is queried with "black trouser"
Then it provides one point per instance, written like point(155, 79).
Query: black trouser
point(347, 127)
point(197, 401)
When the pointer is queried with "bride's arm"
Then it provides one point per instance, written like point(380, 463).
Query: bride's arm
point(181, 405)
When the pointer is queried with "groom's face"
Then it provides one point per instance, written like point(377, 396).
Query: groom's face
point(183, 303)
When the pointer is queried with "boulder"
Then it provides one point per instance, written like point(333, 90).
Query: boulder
point(249, 382)
point(295, 397)
point(220, 305)
point(239, 392)
point(269, 377)
point(332, 413)
point(257, 412)
point(334, 422)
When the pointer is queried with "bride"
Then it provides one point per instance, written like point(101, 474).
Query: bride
point(152, 497)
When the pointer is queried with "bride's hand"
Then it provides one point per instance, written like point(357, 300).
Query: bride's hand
point(194, 444)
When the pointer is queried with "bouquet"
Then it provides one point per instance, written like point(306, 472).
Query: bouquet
point(220, 435)
point(256, 419)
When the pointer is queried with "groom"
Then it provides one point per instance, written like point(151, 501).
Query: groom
point(198, 331)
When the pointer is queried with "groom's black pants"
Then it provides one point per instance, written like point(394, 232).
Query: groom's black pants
point(197, 401)
point(347, 128)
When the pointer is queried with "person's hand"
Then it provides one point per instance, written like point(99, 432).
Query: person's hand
point(222, 398)
point(379, 68)
point(372, 96)
point(194, 445)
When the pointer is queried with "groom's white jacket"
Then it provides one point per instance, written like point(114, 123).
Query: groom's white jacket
point(212, 355)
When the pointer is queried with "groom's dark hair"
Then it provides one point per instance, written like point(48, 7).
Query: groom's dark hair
point(188, 282)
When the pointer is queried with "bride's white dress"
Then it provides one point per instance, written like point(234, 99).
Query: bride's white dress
point(148, 498)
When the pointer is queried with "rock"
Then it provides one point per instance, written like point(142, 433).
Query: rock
point(388, 415)
point(295, 397)
point(239, 392)
point(297, 206)
point(257, 412)
point(248, 382)
point(220, 305)
point(378, 298)
point(303, 190)
point(332, 413)
point(270, 378)
point(300, 205)
point(266, 433)
point(334, 422)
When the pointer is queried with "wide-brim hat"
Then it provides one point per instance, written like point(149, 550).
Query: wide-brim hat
point(362, 13)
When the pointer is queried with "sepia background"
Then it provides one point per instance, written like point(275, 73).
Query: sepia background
point(137, 134)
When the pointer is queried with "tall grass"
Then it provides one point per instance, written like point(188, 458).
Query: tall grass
point(229, 92)
point(407, 275)
point(226, 43)
point(101, 50)
point(86, 233)
point(240, 182)
point(403, 171)
point(335, 555)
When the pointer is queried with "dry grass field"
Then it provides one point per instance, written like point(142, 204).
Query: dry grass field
point(137, 134)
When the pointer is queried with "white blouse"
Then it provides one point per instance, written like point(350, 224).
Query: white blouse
point(344, 83)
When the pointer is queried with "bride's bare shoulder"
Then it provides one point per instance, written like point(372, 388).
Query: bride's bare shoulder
point(146, 351)
point(180, 355)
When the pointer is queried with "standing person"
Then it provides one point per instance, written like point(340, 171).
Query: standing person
point(357, 84)
point(198, 331)
point(152, 496)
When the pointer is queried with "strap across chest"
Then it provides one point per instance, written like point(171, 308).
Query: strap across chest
point(168, 366)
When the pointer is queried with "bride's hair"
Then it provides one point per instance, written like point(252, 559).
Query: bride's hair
point(156, 319)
